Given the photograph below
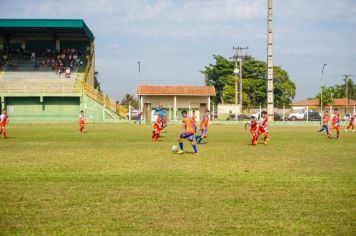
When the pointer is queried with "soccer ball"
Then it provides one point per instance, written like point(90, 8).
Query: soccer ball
point(174, 148)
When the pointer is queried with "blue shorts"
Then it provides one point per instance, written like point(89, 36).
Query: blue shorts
point(187, 135)
point(204, 131)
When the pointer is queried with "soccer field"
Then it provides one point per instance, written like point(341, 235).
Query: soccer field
point(113, 180)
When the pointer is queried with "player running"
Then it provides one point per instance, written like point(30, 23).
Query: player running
point(335, 123)
point(187, 133)
point(203, 127)
point(252, 124)
point(325, 127)
point(351, 120)
point(4, 119)
point(262, 127)
point(157, 124)
point(81, 122)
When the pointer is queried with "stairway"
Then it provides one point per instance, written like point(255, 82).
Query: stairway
point(104, 100)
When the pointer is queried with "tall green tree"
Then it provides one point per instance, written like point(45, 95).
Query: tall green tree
point(221, 76)
point(338, 91)
point(217, 75)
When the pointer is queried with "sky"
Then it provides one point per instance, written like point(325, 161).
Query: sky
point(175, 39)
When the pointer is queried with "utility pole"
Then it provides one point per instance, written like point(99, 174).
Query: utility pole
point(239, 55)
point(321, 89)
point(270, 96)
point(347, 76)
point(139, 80)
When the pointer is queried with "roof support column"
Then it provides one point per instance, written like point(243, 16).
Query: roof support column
point(3, 105)
point(58, 45)
point(209, 107)
point(175, 108)
point(141, 104)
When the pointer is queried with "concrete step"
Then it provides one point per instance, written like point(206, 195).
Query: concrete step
point(35, 75)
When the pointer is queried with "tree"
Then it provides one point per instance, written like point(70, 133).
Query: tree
point(129, 99)
point(338, 91)
point(221, 76)
point(217, 75)
point(97, 81)
point(328, 95)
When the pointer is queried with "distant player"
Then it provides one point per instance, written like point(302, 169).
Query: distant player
point(252, 126)
point(194, 120)
point(203, 127)
point(351, 120)
point(262, 127)
point(3, 121)
point(335, 123)
point(164, 120)
point(81, 122)
point(187, 133)
point(325, 127)
point(138, 118)
point(157, 124)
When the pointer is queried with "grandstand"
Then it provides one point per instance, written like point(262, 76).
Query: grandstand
point(47, 72)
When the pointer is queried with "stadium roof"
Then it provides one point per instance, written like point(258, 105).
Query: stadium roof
point(176, 90)
point(50, 27)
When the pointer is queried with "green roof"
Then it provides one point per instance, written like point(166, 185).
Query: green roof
point(14, 27)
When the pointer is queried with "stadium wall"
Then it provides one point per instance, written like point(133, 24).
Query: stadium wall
point(55, 109)
point(27, 109)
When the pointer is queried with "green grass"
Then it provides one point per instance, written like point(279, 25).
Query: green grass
point(113, 180)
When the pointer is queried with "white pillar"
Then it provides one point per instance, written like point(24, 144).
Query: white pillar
point(283, 113)
point(209, 106)
point(103, 113)
point(141, 108)
point(141, 103)
point(307, 113)
point(175, 108)
point(213, 112)
point(237, 112)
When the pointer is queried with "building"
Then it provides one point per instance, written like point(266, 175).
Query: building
point(47, 72)
point(314, 104)
point(174, 99)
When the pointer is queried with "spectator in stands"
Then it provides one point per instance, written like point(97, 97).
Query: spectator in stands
point(67, 74)
point(33, 56)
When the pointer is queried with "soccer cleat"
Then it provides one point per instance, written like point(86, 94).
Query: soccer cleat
point(353, 130)
point(265, 142)
point(346, 130)
point(195, 154)
point(180, 151)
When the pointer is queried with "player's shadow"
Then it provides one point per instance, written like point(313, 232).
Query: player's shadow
point(189, 152)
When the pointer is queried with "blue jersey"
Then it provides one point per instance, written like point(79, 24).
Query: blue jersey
point(160, 111)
